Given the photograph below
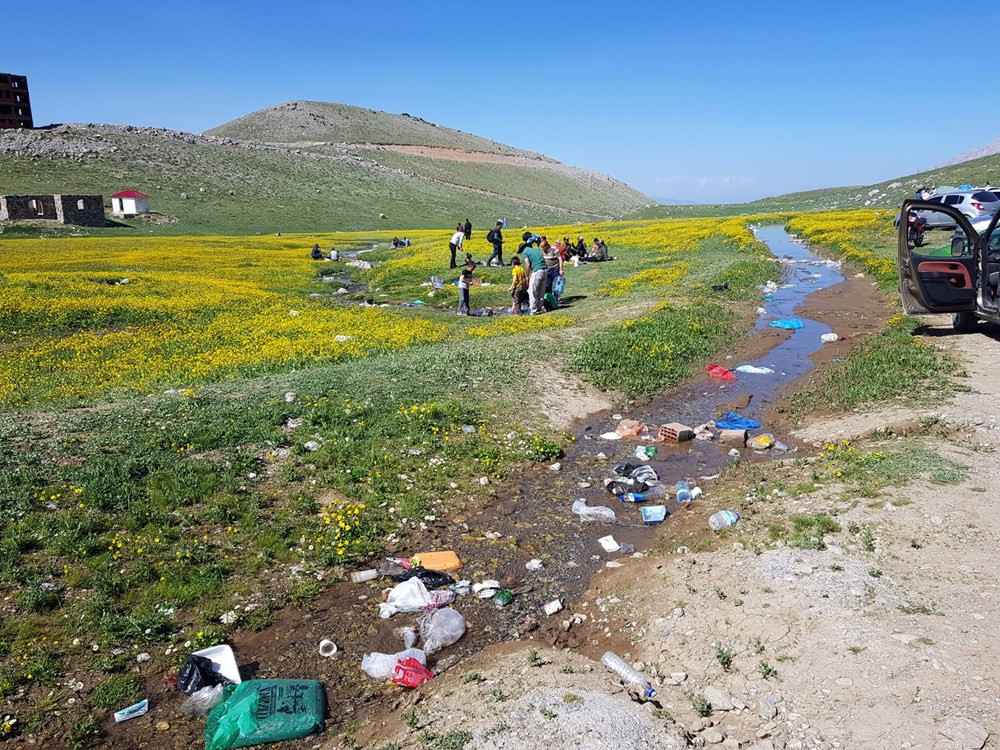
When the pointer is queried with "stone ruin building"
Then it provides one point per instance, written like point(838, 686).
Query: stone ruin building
point(83, 210)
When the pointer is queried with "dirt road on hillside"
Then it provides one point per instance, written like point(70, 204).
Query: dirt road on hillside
point(885, 638)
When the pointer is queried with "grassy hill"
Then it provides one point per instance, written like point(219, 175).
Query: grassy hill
point(887, 194)
point(309, 166)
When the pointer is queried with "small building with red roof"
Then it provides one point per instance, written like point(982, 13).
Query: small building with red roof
point(129, 203)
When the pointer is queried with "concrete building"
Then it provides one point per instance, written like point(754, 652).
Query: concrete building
point(129, 202)
point(15, 106)
point(83, 210)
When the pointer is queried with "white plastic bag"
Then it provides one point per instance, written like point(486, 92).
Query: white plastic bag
point(413, 596)
point(202, 701)
point(380, 666)
point(597, 513)
point(407, 634)
point(441, 628)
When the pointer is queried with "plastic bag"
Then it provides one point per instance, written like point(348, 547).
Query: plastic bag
point(380, 666)
point(733, 421)
point(261, 711)
point(720, 373)
point(441, 628)
point(789, 324)
point(203, 701)
point(623, 485)
point(761, 442)
point(431, 578)
point(197, 673)
point(413, 596)
point(629, 428)
point(407, 635)
point(411, 673)
point(645, 474)
point(597, 513)
point(753, 370)
point(623, 470)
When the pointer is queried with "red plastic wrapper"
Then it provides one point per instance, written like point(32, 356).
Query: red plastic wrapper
point(720, 373)
point(411, 673)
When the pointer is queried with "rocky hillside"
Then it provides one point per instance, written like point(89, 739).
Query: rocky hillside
point(307, 166)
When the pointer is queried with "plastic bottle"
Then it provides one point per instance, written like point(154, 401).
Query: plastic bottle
point(360, 576)
point(632, 497)
point(723, 519)
point(683, 494)
point(628, 675)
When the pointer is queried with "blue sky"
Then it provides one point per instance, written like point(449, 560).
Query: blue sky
point(720, 101)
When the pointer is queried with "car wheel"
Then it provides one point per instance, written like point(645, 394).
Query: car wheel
point(964, 322)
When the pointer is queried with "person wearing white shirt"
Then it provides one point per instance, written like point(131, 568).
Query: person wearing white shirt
point(455, 245)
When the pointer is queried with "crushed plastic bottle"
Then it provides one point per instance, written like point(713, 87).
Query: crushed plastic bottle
point(723, 519)
point(627, 675)
point(683, 493)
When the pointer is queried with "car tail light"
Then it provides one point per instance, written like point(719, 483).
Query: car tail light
point(977, 206)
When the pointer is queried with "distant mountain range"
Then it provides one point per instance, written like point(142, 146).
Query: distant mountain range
point(303, 166)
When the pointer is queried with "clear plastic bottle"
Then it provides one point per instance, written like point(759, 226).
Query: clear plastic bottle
point(723, 519)
point(683, 493)
point(628, 675)
point(656, 492)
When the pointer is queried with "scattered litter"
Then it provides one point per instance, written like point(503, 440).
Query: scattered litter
point(433, 579)
point(595, 513)
point(645, 474)
point(208, 667)
point(533, 565)
point(441, 629)
point(552, 607)
point(380, 666)
point(610, 436)
point(502, 598)
point(788, 324)
point(752, 370)
point(407, 635)
point(360, 576)
point(723, 519)
point(486, 589)
point(733, 421)
point(645, 452)
point(327, 648)
point(468, 429)
point(411, 673)
point(761, 442)
point(734, 452)
point(627, 675)
point(709, 478)
point(829, 338)
point(683, 493)
point(444, 560)
point(654, 514)
point(609, 544)
point(203, 701)
point(555, 467)
point(695, 493)
point(136, 709)
point(264, 711)
point(720, 373)
point(413, 596)
point(290, 397)
point(629, 428)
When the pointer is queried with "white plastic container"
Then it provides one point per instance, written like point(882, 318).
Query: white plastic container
point(223, 662)
point(360, 576)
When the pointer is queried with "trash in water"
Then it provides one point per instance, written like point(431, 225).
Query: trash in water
point(360, 576)
point(645, 474)
point(502, 598)
point(411, 673)
point(133, 711)
point(733, 437)
point(552, 607)
point(675, 432)
point(327, 648)
point(752, 370)
point(788, 324)
point(645, 452)
point(533, 565)
point(413, 596)
point(720, 373)
point(619, 486)
point(627, 675)
point(445, 560)
point(829, 338)
point(654, 514)
point(723, 519)
point(441, 628)
point(733, 421)
point(761, 442)
point(609, 543)
point(629, 428)
point(611, 436)
point(596, 513)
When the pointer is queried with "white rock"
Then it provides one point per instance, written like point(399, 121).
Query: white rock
point(312, 445)
point(142, 657)
point(718, 699)
point(964, 733)
point(678, 677)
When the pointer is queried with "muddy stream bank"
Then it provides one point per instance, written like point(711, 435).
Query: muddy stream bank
point(507, 523)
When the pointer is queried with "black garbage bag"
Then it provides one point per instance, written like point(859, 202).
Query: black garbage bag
point(198, 674)
point(623, 485)
point(432, 579)
point(623, 470)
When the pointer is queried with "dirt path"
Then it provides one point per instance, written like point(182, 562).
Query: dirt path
point(883, 639)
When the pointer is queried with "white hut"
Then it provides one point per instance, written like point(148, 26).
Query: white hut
point(129, 202)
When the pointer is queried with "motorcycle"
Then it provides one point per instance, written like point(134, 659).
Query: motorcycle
point(915, 227)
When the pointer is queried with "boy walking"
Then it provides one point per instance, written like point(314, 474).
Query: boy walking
point(495, 238)
point(464, 282)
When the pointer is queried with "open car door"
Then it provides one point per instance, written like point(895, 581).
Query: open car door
point(938, 279)
point(990, 300)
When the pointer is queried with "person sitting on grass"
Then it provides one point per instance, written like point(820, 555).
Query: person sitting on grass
point(317, 254)
point(518, 285)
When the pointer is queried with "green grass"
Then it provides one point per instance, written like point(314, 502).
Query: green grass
point(117, 691)
point(870, 469)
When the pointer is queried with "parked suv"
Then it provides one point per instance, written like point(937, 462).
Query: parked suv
point(961, 278)
point(974, 204)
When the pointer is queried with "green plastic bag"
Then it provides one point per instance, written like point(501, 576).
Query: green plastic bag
point(258, 711)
